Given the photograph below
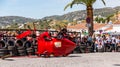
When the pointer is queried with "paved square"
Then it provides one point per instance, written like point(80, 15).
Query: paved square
point(73, 60)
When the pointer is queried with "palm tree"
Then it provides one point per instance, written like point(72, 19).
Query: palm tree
point(89, 8)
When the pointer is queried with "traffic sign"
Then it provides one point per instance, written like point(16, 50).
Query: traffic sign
point(88, 20)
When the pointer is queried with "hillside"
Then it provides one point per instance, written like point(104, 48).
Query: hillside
point(7, 20)
point(78, 15)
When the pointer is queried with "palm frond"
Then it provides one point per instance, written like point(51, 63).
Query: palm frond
point(73, 3)
point(70, 4)
point(93, 1)
point(103, 2)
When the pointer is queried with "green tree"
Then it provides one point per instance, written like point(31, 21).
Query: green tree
point(97, 19)
point(89, 8)
point(14, 26)
point(109, 17)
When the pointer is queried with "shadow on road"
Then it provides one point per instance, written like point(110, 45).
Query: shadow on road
point(74, 56)
point(8, 59)
point(116, 64)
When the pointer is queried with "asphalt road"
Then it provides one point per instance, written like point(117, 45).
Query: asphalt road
point(73, 60)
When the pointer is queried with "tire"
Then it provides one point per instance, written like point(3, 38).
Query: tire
point(30, 50)
point(22, 54)
point(89, 48)
point(118, 48)
point(21, 48)
point(3, 44)
point(10, 48)
point(35, 48)
point(77, 49)
point(21, 51)
point(19, 43)
point(10, 43)
point(109, 49)
point(101, 49)
point(3, 52)
point(27, 44)
point(82, 48)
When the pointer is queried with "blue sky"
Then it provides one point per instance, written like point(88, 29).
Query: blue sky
point(40, 8)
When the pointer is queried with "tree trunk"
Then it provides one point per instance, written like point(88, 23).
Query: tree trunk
point(90, 15)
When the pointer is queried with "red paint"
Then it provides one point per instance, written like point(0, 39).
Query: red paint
point(24, 34)
point(49, 47)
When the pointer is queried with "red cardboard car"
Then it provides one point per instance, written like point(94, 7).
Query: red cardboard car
point(54, 47)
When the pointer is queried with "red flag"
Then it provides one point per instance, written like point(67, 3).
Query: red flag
point(24, 34)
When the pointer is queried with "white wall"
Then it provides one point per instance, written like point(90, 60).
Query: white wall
point(116, 27)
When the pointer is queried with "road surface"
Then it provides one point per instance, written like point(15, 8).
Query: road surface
point(111, 59)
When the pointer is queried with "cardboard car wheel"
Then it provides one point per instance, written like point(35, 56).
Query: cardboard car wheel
point(65, 55)
point(51, 55)
point(38, 55)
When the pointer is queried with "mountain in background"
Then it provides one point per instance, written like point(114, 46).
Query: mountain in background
point(77, 15)
point(8, 20)
point(80, 15)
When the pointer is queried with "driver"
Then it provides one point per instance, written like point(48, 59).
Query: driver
point(46, 35)
point(62, 33)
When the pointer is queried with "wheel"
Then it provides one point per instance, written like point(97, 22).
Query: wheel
point(65, 55)
point(38, 55)
point(52, 55)
point(46, 56)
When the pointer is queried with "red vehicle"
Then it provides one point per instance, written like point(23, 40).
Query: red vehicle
point(54, 47)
